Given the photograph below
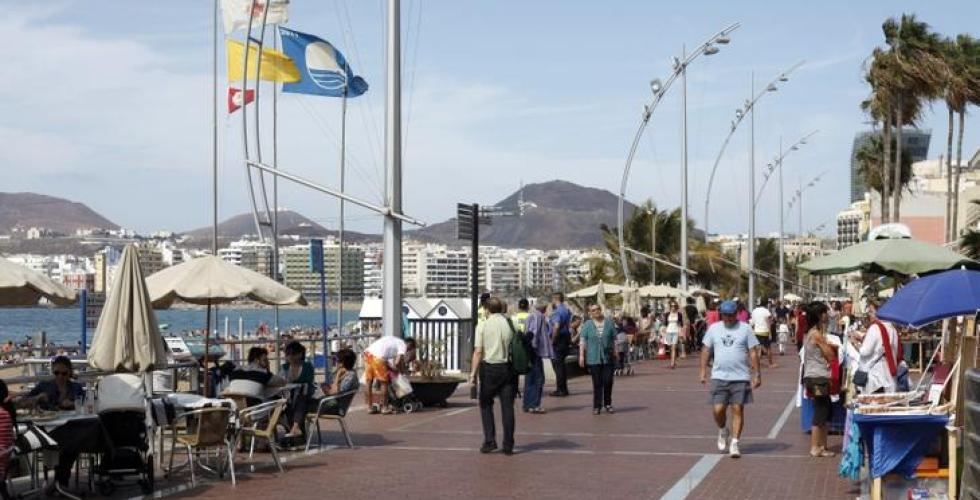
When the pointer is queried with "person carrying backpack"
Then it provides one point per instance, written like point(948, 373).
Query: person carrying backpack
point(597, 350)
point(492, 353)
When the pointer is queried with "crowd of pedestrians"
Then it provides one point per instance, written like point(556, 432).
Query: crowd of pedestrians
point(732, 341)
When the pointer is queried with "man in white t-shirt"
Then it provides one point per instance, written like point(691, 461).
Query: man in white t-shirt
point(383, 357)
point(762, 327)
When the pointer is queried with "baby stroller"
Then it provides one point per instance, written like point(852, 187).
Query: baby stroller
point(624, 366)
point(122, 408)
point(401, 398)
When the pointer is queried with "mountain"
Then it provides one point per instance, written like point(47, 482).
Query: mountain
point(57, 214)
point(557, 214)
point(290, 224)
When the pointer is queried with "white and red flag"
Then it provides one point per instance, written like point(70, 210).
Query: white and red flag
point(236, 13)
point(237, 100)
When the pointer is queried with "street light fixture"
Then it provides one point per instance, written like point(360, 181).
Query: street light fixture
point(659, 90)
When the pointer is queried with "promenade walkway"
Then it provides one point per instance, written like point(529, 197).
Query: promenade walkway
point(659, 444)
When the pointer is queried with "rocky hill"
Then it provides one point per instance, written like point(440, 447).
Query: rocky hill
point(28, 210)
point(290, 224)
point(557, 214)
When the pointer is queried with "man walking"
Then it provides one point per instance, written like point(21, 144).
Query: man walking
point(491, 360)
point(539, 332)
point(762, 327)
point(731, 342)
point(561, 339)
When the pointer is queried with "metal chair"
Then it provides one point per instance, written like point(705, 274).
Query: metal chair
point(260, 422)
point(343, 401)
point(206, 429)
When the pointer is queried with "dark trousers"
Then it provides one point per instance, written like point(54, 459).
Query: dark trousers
point(558, 363)
point(602, 382)
point(534, 384)
point(497, 381)
point(74, 438)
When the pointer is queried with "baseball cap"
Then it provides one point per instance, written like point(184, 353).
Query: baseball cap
point(727, 307)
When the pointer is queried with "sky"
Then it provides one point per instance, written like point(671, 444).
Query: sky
point(109, 104)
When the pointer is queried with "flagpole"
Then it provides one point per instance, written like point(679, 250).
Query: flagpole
point(214, 131)
point(343, 157)
point(392, 300)
point(275, 184)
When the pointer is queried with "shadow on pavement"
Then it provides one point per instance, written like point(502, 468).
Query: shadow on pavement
point(552, 444)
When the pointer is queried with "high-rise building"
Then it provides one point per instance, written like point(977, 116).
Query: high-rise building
point(854, 223)
point(253, 255)
point(915, 143)
point(297, 274)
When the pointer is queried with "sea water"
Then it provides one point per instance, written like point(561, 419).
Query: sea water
point(63, 326)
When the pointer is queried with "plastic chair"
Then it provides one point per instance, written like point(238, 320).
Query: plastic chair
point(253, 417)
point(206, 429)
point(343, 401)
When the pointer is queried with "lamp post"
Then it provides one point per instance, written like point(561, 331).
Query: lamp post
point(653, 245)
point(778, 163)
point(748, 108)
point(659, 89)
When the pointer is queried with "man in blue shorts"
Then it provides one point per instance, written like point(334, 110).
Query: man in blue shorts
point(733, 344)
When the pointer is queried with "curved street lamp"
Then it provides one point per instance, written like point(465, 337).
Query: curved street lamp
point(740, 114)
point(709, 47)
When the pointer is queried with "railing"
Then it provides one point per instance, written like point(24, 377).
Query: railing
point(443, 341)
point(37, 371)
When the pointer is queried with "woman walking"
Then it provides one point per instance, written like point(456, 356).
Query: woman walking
point(598, 351)
point(818, 357)
point(673, 321)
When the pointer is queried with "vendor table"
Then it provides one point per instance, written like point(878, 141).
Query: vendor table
point(896, 443)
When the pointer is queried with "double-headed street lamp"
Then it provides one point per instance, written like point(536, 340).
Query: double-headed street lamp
point(747, 109)
point(798, 197)
point(709, 47)
point(778, 163)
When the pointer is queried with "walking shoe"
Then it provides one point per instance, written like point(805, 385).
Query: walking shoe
point(723, 439)
point(508, 451)
point(610, 409)
point(595, 411)
point(733, 449)
point(488, 447)
point(557, 394)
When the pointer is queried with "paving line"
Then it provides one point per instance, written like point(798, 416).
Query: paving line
point(587, 434)
point(778, 426)
point(432, 418)
point(520, 450)
point(686, 484)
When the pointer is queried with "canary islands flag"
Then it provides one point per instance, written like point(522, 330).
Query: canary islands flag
point(323, 69)
point(276, 67)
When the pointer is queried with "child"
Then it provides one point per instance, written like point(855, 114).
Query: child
point(782, 335)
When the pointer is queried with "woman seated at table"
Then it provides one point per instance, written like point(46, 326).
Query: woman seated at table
point(57, 394)
point(254, 378)
point(344, 380)
point(296, 370)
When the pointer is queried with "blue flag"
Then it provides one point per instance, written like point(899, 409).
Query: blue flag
point(323, 69)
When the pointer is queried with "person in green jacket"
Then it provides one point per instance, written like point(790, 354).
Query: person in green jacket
point(597, 351)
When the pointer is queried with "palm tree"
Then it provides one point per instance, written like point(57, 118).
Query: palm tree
point(915, 74)
point(963, 88)
point(871, 167)
point(879, 75)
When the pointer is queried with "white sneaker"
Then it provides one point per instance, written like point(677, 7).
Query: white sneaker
point(723, 439)
point(733, 449)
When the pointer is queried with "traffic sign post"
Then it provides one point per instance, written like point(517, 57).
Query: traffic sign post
point(316, 266)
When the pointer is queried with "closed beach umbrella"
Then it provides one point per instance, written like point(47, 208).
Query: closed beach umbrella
point(933, 298)
point(889, 256)
point(209, 280)
point(20, 286)
point(600, 295)
point(127, 338)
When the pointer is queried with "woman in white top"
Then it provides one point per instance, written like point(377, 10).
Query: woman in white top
point(673, 321)
point(872, 354)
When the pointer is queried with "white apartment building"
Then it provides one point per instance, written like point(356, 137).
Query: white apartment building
point(250, 254)
point(373, 272)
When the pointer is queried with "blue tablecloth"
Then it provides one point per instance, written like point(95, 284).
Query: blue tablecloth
point(897, 443)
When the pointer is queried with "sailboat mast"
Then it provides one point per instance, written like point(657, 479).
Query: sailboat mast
point(392, 300)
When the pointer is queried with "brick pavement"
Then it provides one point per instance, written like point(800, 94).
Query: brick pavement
point(663, 427)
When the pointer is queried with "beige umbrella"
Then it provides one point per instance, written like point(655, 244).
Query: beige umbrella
point(20, 286)
point(662, 292)
point(592, 291)
point(631, 300)
point(600, 295)
point(127, 338)
point(209, 280)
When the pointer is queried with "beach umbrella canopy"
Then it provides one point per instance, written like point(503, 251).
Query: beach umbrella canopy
point(592, 291)
point(703, 292)
point(888, 256)
point(933, 298)
point(127, 338)
point(210, 280)
point(792, 297)
point(20, 286)
point(662, 292)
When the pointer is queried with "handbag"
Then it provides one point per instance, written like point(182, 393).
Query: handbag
point(861, 376)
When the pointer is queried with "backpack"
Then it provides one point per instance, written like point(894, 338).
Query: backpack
point(520, 351)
